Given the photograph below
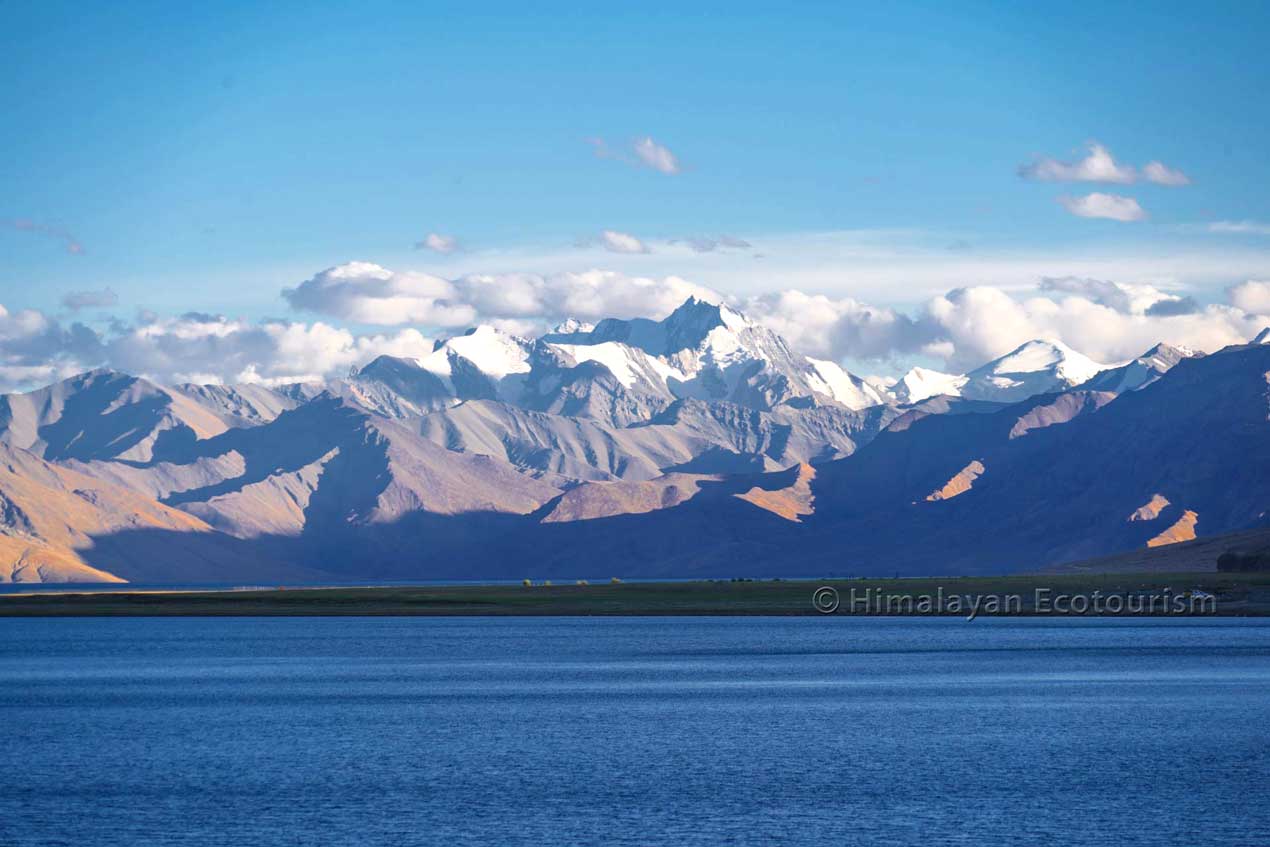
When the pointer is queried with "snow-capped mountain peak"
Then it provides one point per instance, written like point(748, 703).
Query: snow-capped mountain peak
point(1043, 356)
point(1034, 367)
point(711, 351)
point(1139, 372)
point(923, 383)
point(572, 326)
point(696, 319)
point(493, 352)
point(1039, 367)
point(686, 328)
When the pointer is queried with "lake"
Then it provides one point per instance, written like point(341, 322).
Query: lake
point(640, 731)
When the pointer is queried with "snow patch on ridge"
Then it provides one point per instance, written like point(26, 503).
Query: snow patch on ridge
point(832, 380)
point(622, 361)
point(496, 354)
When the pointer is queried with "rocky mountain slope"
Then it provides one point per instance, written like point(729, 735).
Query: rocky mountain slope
point(1058, 477)
point(60, 525)
point(103, 414)
point(696, 445)
point(1055, 478)
point(1140, 372)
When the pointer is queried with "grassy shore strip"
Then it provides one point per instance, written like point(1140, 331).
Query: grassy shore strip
point(1236, 595)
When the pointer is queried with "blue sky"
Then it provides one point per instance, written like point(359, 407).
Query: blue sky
point(205, 158)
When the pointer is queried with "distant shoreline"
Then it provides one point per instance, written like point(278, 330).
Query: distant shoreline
point(1104, 595)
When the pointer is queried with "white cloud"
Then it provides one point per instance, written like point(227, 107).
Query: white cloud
point(1110, 322)
point(1098, 166)
point(367, 293)
point(983, 323)
point(37, 348)
point(1127, 298)
point(1162, 174)
point(621, 242)
point(1239, 227)
point(826, 327)
point(655, 156)
point(213, 348)
point(980, 323)
point(1251, 296)
point(898, 267)
point(438, 243)
point(588, 295)
point(1099, 205)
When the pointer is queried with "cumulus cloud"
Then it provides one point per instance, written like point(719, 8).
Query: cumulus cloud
point(201, 348)
point(1109, 321)
point(587, 295)
point(438, 243)
point(102, 299)
point(979, 323)
point(1130, 299)
point(833, 328)
point(366, 293)
point(35, 348)
point(1099, 205)
point(1251, 296)
point(1098, 166)
point(1162, 174)
point(69, 242)
point(966, 327)
point(984, 323)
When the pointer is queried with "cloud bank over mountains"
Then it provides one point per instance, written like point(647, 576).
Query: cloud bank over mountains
point(361, 310)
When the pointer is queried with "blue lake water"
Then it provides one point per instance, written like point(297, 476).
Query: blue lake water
point(683, 731)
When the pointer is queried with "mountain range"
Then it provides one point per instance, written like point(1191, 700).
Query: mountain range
point(697, 445)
